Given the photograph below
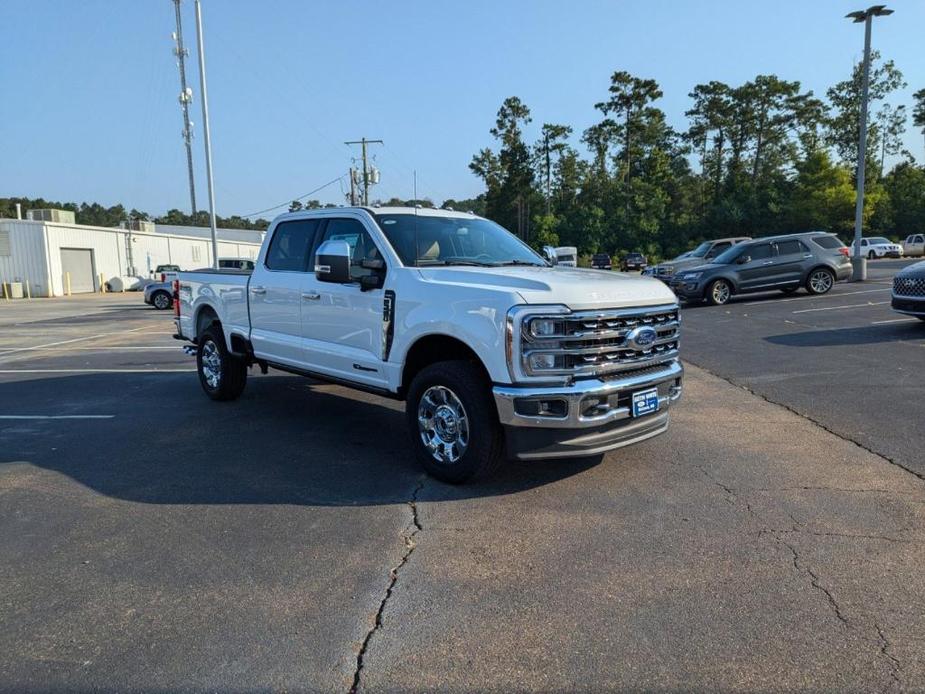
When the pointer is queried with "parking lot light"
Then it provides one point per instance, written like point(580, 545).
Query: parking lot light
point(858, 261)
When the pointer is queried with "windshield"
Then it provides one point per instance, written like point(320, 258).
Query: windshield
point(701, 250)
point(878, 240)
point(454, 241)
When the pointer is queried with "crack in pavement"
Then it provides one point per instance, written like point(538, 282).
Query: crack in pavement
point(414, 526)
point(732, 496)
point(896, 666)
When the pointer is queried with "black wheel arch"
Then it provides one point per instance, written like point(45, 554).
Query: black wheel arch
point(433, 348)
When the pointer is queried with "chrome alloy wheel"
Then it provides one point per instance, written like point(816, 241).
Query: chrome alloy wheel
point(211, 364)
point(820, 281)
point(721, 292)
point(162, 301)
point(443, 424)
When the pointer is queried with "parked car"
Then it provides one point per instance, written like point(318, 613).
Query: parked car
point(703, 253)
point(567, 256)
point(601, 261)
point(159, 295)
point(235, 264)
point(909, 291)
point(914, 245)
point(493, 350)
point(879, 247)
point(815, 260)
point(166, 273)
point(634, 261)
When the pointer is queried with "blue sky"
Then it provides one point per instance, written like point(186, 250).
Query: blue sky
point(89, 108)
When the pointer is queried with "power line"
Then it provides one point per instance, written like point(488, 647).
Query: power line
point(290, 200)
point(368, 177)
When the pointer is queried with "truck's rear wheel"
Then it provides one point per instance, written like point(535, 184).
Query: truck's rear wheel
point(453, 422)
point(221, 374)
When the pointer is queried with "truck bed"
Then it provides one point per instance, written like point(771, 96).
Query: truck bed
point(225, 291)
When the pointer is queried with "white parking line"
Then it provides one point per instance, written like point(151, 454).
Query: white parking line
point(804, 298)
point(175, 348)
point(4, 352)
point(59, 416)
point(895, 320)
point(835, 308)
point(97, 371)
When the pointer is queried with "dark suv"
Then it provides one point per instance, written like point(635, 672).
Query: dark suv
point(815, 260)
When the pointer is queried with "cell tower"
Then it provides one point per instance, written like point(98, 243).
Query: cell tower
point(186, 96)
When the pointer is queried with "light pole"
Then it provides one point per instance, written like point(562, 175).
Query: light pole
point(206, 134)
point(858, 261)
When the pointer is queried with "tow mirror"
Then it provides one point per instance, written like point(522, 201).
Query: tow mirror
point(550, 254)
point(332, 262)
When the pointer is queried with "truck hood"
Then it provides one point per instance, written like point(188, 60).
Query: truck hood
point(682, 264)
point(578, 288)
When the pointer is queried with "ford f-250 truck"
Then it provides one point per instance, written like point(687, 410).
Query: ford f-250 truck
point(496, 352)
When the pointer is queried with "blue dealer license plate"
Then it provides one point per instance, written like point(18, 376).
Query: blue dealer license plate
point(645, 402)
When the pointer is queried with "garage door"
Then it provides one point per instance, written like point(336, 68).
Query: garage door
point(79, 263)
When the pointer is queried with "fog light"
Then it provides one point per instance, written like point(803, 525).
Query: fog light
point(542, 362)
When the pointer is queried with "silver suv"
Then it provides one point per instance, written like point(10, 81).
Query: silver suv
point(815, 260)
point(704, 253)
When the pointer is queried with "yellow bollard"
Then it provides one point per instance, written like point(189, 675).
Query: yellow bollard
point(102, 284)
point(67, 283)
point(5, 295)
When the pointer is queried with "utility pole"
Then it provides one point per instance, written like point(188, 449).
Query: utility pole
point(186, 96)
point(367, 174)
point(858, 261)
point(353, 186)
point(205, 132)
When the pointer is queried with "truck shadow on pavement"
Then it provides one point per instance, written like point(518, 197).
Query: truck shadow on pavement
point(287, 440)
point(866, 335)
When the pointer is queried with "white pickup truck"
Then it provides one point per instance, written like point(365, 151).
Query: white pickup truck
point(496, 352)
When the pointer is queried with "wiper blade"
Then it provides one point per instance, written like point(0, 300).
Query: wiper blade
point(454, 261)
point(528, 263)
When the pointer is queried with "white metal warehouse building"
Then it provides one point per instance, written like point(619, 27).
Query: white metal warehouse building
point(46, 256)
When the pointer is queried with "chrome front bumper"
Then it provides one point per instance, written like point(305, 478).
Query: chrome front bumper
point(511, 400)
point(587, 417)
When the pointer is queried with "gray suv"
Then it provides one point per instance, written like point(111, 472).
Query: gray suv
point(815, 260)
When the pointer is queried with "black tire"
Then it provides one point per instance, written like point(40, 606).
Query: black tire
point(820, 280)
point(483, 449)
point(213, 358)
point(871, 255)
point(162, 301)
point(718, 292)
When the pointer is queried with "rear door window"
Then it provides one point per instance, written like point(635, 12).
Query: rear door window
point(291, 244)
point(760, 252)
point(791, 247)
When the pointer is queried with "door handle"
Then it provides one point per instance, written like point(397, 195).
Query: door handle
point(311, 296)
point(258, 290)
point(768, 262)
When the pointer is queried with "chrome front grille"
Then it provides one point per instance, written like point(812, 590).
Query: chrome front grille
point(909, 286)
point(596, 343)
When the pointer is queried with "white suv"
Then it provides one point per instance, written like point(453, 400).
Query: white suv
point(879, 247)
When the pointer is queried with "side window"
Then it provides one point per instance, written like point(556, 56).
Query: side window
point(920, 239)
point(291, 244)
point(793, 247)
point(361, 244)
point(760, 252)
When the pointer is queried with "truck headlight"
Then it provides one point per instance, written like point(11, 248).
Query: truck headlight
point(544, 327)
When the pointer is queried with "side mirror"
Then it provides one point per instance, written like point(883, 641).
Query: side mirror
point(332, 262)
point(743, 259)
point(550, 254)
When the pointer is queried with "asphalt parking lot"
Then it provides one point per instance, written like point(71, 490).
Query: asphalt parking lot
point(151, 539)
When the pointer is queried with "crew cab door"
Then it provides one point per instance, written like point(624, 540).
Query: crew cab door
point(342, 324)
point(275, 292)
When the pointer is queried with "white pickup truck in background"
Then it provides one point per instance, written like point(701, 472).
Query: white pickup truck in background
point(496, 352)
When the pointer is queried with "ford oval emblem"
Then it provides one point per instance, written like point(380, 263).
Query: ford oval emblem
point(641, 338)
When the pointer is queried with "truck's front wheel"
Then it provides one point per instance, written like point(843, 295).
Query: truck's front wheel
point(453, 422)
point(221, 374)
